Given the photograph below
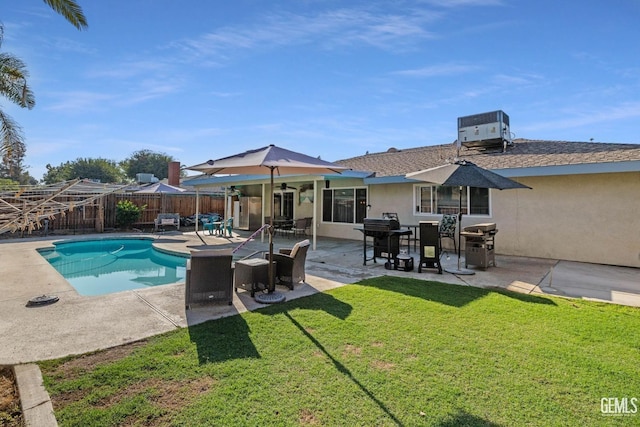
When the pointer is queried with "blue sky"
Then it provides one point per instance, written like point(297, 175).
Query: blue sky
point(204, 79)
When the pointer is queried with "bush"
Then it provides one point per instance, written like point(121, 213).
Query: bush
point(127, 213)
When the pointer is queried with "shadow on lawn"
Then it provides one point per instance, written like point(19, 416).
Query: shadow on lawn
point(224, 339)
point(464, 419)
point(343, 369)
point(444, 293)
point(323, 302)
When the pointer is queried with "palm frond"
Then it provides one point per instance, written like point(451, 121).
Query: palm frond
point(13, 81)
point(70, 10)
point(10, 135)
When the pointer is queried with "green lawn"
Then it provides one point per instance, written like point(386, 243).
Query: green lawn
point(383, 352)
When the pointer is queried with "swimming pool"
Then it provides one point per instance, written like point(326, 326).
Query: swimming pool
point(98, 267)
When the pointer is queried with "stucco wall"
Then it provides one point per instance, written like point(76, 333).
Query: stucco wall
point(589, 218)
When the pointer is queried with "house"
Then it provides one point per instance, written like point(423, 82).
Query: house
point(583, 205)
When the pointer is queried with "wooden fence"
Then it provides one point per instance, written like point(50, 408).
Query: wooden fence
point(87, 219)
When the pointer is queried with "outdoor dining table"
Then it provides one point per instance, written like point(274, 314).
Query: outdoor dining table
point(216, 228)
point(283, 225)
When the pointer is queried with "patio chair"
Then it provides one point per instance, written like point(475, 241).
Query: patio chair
point(308, 223)
point(447, 229)
point(209, 225)
point(209, 277)
point(300, 227)
point(227, 227)
point(290, 263)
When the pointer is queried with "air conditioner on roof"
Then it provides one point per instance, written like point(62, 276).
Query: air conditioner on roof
point(146, 178)
point(484, 130)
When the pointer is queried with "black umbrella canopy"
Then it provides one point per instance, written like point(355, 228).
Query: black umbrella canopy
point(274, 160)
point(463, 173)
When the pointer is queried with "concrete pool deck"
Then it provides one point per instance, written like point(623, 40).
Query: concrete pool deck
point(79, 324)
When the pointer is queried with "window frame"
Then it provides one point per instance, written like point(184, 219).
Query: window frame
point(466, 207)
point(356, 204)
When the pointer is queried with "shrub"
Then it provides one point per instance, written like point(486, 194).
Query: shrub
point(127, 213)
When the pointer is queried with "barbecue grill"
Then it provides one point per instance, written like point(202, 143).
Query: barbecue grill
point(479, 247)
point(385, 233)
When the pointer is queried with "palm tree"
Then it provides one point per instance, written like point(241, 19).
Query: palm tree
point(13, 85)
point(13, 78)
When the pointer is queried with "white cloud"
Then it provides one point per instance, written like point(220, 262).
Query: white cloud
point(446, 69)
point(79, 101)
point(587, 117)
point(337, 28)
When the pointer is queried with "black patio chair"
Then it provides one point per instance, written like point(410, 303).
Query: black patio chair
point(209, 277)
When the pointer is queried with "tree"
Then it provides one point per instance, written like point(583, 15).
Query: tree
point(102, 170)
point(13, 77)
point(147, 161)
point(11, 166)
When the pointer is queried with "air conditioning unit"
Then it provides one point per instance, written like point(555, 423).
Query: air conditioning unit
point(146, 178)
point(484, 130)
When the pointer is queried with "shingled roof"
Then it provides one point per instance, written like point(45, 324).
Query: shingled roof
point(523, 153)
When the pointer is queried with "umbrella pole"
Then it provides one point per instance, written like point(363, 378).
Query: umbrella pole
point(272, 286)
point(271, 296)
point(459, 270)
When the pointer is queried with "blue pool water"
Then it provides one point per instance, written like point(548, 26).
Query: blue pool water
point(97, 267)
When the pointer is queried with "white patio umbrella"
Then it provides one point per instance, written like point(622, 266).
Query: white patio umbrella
point(160, 187)
point(274, 160)
point(462, 173)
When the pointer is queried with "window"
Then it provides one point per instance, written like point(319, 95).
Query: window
point(446, 200)
point(346, 205)
point(283, 204)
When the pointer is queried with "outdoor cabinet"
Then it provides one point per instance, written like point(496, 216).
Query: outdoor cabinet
point(429, 246)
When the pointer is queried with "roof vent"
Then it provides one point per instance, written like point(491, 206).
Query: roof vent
point(392, 150)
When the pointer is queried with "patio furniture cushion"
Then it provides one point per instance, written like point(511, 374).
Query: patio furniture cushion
point(296, 247)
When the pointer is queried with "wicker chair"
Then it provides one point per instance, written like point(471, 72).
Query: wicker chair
point(290, 264)
point(209, 277)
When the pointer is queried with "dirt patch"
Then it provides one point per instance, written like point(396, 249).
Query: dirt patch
point(10, 410)
point(88, 362)
point(307, 418)
point(168, 395)
point(382, 365)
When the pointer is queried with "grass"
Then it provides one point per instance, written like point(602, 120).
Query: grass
point(383, 352)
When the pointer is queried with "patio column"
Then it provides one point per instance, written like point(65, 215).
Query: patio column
point(197, 207)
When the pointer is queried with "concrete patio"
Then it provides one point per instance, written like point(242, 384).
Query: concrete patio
point(77, 324)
